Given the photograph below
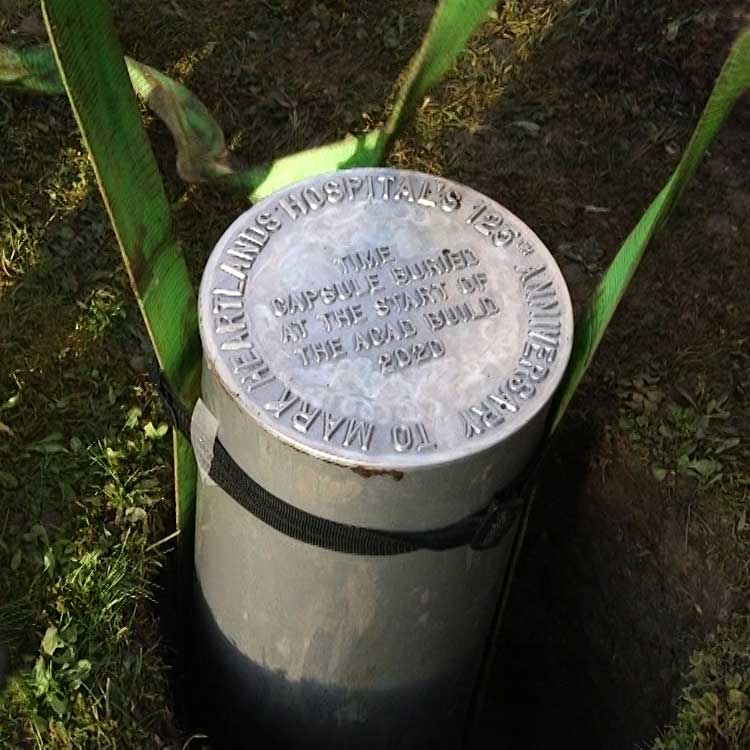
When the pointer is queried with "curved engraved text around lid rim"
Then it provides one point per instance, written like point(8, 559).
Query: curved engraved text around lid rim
point(445, 455)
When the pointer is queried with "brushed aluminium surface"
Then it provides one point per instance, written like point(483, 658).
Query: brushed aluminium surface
point(385, 318)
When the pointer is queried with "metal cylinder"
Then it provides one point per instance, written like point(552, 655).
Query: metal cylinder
point(381, 347)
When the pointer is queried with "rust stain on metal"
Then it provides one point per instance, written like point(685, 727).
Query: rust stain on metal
point(363, 471)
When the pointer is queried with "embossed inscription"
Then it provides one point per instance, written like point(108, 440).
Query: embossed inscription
point(411, 437)
point(364, 261)
point(465, 312)
point(392, 308)
point(416, 354)
point(327, 350)
point(331, 428)
point(445, 262)
point(537, 355)
point(379, 335)
point(377, 320)
point(424, 191)
point(338, 291)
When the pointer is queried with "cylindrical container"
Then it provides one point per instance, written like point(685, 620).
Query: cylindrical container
point(381, 347)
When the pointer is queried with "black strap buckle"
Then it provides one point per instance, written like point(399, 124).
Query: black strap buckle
point(498, 520)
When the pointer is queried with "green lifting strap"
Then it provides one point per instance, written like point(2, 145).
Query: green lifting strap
point(93, 70)
point(201, 150)
point(733, 81)
point(95, 77)
point(96, 80)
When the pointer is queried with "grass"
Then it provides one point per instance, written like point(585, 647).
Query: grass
point(89, 671)
point(691, 438)
point(715, 706)
point(688, 435)
point(85, 496)
point(84, 479)
point(85, 486)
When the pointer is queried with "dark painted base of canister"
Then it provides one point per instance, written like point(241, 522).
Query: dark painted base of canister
point(244, 705)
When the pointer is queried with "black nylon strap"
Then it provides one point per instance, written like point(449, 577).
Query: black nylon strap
point(482, 530)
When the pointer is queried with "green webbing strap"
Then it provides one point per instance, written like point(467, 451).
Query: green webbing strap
point(733, 81)
point(453, 22)
point(200, 143)
point(96, 80)
point(201, 147)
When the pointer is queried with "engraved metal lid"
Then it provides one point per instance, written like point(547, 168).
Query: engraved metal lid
point(385, 318)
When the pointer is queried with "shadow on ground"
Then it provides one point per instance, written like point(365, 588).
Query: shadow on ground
point(615, 586)
point(618, 581)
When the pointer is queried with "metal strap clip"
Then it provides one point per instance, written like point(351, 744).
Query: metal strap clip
point(497, 521)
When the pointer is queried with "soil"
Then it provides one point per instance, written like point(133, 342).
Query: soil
point(609, 599)
point(621, 577)
point(622, 574)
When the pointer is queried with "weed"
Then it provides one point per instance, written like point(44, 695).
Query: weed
point(715, 706)
point(92, 681)
point(84, 484)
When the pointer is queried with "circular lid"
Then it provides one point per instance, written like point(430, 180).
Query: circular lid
point(385, 318)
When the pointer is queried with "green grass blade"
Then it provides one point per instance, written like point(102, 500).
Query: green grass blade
point(453, 22)
point(95, 77)
point(733, 81)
